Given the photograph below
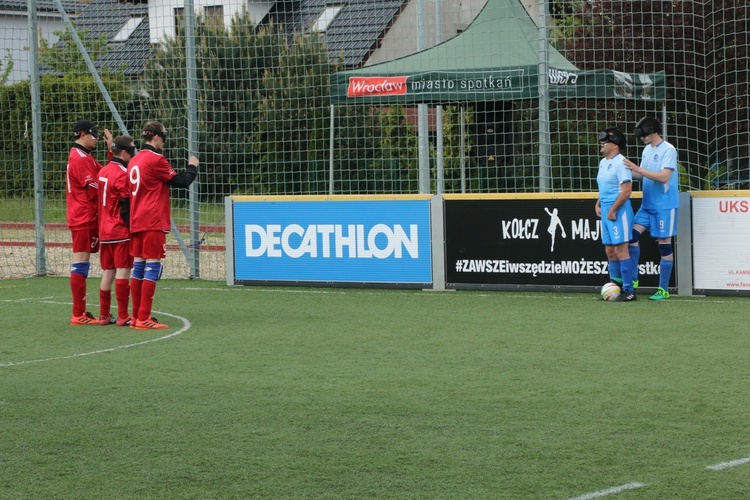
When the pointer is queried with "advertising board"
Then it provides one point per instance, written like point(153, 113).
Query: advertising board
point(721, 243)
point(533, 240)
point(333, 240)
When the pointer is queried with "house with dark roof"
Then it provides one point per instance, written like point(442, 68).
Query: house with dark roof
point(14, 30)
point(126, 26)
point(362, 31)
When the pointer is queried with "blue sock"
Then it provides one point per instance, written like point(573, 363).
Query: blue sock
point(635, 256)
point(614, 271)
point(665, 272)
point(626, 266)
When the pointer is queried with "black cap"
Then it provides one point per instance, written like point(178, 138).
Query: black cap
point(84, 125)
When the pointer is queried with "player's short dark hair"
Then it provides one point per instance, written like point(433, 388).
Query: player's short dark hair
point(123, 143)
point(152, 129)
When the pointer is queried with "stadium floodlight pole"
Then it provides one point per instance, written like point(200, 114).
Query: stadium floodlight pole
point(422, 130)
point(36, 131)
point(92, 69)
point(192, 137)
point(544, 132)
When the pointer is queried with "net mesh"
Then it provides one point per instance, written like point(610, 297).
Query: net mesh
point(267, 119)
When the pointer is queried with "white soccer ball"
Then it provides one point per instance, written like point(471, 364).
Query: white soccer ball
point(610, 291)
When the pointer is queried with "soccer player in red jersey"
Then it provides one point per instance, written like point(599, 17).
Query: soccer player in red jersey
point(114, 251)
point(82, 187)
point(150, 176)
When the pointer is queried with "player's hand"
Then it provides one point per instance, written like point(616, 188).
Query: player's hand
point(193, 161)
point(108, 139)
point(612, 215)
point(629, 164)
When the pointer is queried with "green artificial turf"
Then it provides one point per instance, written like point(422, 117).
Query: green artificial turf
point(352, 393)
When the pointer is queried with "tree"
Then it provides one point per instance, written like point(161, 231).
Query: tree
point(68, 93)
point(702, 47)
point(292, 143)
point(64, 58)
point(230, 65)
point(6, 66)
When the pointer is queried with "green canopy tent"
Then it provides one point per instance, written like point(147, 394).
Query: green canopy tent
point(499, 57)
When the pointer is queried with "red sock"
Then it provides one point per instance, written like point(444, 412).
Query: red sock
point(122, 293)
point(147, 300)
point(78, 290)
point(135, 294)
point(105, 301)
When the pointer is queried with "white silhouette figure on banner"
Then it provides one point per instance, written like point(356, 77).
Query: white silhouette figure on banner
point(553, 225)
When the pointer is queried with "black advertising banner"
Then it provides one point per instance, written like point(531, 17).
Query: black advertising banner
point(547, 242)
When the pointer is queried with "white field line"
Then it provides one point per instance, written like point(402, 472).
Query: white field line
point(610, 491)
point(732, 463)
point(185, 326)
point(475, 293)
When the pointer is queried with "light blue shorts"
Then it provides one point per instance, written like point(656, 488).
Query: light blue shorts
point(618, 231)
point(659, 223)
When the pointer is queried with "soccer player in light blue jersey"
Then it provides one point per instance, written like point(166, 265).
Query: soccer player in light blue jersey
point(658, 212)
point(613, 207)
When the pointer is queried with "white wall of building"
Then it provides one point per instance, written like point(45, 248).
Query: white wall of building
point(161, 13)
point(14, 39)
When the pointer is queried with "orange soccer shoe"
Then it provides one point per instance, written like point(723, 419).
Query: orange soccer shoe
point(107, 320)
point(150, 324)
point(85, 319)
point(124, 322)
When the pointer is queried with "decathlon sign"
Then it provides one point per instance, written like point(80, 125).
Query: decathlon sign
point(329, 240)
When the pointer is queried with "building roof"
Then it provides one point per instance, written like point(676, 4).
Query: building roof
point(71, 6)
point(355, 32)
point(107, 17)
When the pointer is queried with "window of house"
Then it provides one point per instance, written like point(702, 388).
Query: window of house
point(328, 15)
point(179, 20)
point(127, 29)
point(213, 14)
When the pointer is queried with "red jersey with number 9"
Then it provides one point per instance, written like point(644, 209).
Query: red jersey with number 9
point(149, 173)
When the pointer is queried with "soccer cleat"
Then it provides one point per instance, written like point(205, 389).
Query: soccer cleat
point(150, 324)
point(106, 320)
point(86, 319)
point(124, 322)
point(625, 297)
point(661, 294)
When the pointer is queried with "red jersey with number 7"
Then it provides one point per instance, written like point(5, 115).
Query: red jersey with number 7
point(149, 173)
point(82, 188)
point(113, 185)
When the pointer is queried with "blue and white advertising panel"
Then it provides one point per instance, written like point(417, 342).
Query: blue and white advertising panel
point(327, 240)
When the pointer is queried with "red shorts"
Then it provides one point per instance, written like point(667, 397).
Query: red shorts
point(85, 240)
point(116, 255)
point(149, 245)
